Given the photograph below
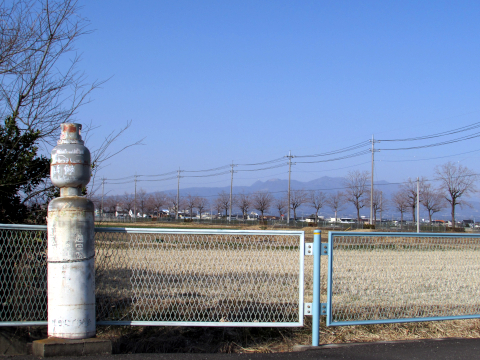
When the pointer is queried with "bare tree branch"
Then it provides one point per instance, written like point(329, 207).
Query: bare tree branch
point(336, 202)
point(456, 181)
point(357, 189)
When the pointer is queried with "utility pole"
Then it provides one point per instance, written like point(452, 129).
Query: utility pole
point(371, 185)
point(135, 201)
point(381, 206)
point(418, 205)
point(178, 194)
point(231, 189)
point(103, 191)
point(289, 156)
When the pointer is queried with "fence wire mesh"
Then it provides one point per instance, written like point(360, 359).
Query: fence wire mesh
point(222, 278)
point(23, 274)
point(402, 276)
point(156, 277)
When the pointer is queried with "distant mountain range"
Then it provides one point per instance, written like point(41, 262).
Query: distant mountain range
point(328, 185)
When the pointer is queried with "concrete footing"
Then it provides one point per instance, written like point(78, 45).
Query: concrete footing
point(65, 347)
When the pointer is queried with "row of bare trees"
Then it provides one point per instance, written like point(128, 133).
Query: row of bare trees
point(262, 201)
point(456, 183)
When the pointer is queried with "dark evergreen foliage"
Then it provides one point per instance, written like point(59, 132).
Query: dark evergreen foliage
point(21, 170)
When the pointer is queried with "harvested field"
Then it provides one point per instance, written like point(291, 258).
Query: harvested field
point(402, 277)
point(189, 277)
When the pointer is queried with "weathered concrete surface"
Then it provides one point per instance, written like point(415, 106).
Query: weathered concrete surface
point(65, 347)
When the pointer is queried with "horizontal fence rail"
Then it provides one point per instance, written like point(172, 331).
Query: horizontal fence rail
point(166, 277)
point(401, 277)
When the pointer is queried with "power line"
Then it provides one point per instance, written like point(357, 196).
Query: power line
point(275, 162)
point(434, 158)
point(209, 175)
point(445, 133)
point(363, 152)
point(214, 169)
point(264, 163)
point(349, 148)
point(468, 137)
point(267, 168)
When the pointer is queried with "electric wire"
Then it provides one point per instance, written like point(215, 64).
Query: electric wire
point(364, 152)
point(275, 162)
point(209, 175)
point(214, 169)
point(157, 175)
point(445, 133)
point(265, 162)
point(468, 137)
point(335, 152)
point(267, 168)
point(433, 158)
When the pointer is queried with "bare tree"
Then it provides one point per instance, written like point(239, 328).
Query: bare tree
point(150, 205)
point(409, 189)
point(262, 200)
point(224, 200)
point(127, 202)
point(379, 203)
point(97, 202)
point(432, 199)
point(336, 202)
point(40, 83)
point(183, 205)
point(456, 181)
point(401, 203)
point(317, 199)
point(297, 198)
point(173, 205)
point(218, 205)
point(158, 200)
point(281, 205)
point(105, 152)
point(201, 204)
point(243, 202)
point(191, 203)
point(357, 189)
point(115, 202)
point(41, 87)
point(110, 203)
point(141, 201)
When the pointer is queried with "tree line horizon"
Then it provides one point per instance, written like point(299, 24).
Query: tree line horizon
point(456, 182)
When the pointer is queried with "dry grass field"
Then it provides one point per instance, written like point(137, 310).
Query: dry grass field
point(209, 278)
point(368, 284)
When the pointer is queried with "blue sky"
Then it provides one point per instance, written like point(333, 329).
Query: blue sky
point(211, 82)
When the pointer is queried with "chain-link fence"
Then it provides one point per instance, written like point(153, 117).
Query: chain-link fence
point(166, 277)
point(222, 277)
point(23, 275)
point(394, 277)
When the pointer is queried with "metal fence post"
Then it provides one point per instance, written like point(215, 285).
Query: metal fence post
point(71, 269)
point(316, 288)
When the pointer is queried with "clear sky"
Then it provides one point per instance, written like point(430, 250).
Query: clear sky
point(211, 82)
